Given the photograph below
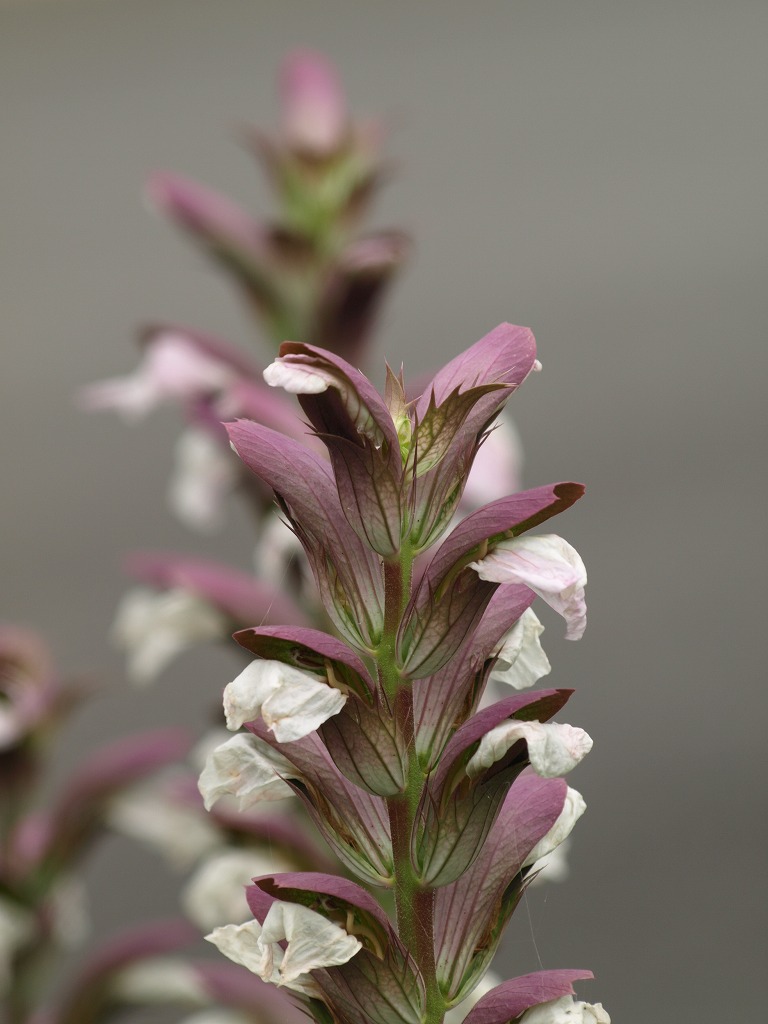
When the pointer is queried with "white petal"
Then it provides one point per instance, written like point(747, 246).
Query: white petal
point(247, 768)
point(566, 1010)
point(215, 895)
point(242, 944)
point(292, 703)
point(153, 627)
point(550, 567)
point(313, 940)
point(296, 378)
point(553, 748)
point(521, 660)
point(573, 808)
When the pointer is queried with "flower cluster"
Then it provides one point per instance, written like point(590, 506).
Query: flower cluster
point(420, 789)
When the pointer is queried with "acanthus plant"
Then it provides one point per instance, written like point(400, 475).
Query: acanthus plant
point(420, 791)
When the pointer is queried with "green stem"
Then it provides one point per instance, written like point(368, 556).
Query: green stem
point(414, 902)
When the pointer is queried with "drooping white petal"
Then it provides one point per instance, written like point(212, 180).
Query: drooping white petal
point(550, 567)
point(247, 768)
point(152, 628)
point(566, 1010)
point(521, 660)
point(215, 895)
point(312, 942)
point(296, 378)
point(163, 979)
point(204, 475)
point(573, 808)
point(553, 748)
point(291, 702)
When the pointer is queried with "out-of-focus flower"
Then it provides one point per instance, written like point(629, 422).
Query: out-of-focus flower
point(176, 366)
point(218, 1017)
point(162, 979)
point(204, 476)
point(153, 628)
point(157, 814)
point(550, 567)
point(311, 942)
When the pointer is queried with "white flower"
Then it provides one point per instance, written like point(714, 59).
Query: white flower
point(215, 895)
point(521, 660)
point(312, 942)
point(162, 979)
point(573, 808)
point(151, 814)
point(553, 748)
point(16, 929)
point(247, 768)
point(457, 1014)
point(550, 567)
point(152, 628)
point(566, 1011)
point(204, 475)
point(292, 703)
point(173, 367)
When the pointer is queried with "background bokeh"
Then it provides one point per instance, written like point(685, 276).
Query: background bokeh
point(592, 168)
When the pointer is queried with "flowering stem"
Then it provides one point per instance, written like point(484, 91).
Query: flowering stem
point(414, 902)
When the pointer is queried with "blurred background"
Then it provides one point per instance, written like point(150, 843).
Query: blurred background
point(594, 169)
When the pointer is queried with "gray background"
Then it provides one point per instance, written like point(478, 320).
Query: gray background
point(593, 169)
